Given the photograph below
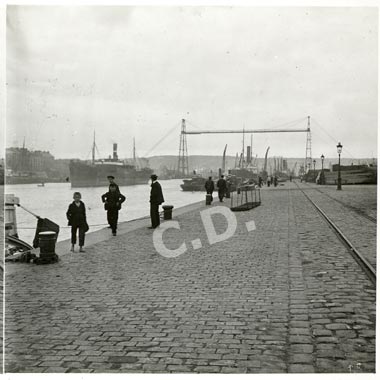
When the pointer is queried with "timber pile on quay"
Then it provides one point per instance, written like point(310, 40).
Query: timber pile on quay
point(284, 297)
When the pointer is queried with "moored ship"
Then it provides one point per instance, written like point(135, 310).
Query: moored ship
point(95, 172)
point(195, 183)
point(351, 175)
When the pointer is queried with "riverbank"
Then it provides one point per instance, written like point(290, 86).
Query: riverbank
point(280, 295)
point(52, 200)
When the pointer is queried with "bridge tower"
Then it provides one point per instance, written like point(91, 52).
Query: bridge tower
point(183, 159)
point(308, 159)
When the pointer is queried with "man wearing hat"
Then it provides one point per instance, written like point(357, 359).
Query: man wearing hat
point(156, 198)
point(111, 180)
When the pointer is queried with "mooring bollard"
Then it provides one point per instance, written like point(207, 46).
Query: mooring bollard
point(47, 241)
point(168, 212)
point(208, 199)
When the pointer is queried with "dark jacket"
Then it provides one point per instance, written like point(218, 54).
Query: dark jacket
point(113, 200)
point(209, 185)
point(156, 195)
point(76, 215)
point(222, 184)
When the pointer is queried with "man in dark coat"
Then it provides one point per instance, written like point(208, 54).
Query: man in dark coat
point(156, 198)
point(112, 203)
point(222, 187)
point(209, 186)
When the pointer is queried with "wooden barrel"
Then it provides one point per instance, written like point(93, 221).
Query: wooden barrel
point(47, 241)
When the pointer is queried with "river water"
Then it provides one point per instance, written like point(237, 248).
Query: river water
point(52, 200)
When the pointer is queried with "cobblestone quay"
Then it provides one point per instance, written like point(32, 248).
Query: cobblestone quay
point(284, 297)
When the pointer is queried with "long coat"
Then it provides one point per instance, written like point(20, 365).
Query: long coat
point(156, 196)
point(76, 215)
point(209, 185)
point(222, 184)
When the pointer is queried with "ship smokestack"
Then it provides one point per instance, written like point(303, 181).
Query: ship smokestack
point(248, 154)
point(115, 151)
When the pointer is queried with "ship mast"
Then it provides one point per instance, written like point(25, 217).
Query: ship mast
point(93, 149)
point(242, 155)
point(134, 151)
point(250, 158)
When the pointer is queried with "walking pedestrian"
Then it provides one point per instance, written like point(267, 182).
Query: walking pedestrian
point(275, 181)
point(76, 216)
point(156, 198)
point(112, 204)
point(268, 181)
point(209, 186)
point(222, 186)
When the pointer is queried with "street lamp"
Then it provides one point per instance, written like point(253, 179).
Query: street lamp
point(339, 149)
point(314, 170)
point(322, 179)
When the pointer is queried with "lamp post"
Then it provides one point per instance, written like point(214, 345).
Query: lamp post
point(315, 177)
point(339, 149)
point(322, 179)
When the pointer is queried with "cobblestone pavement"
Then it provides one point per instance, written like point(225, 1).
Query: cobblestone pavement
point(1, 272)
point(286, 297)
point(359, 230)
point(362, 197)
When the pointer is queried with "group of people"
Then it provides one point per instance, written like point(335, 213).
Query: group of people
point(221, 185)
point(112, 199)
point(272, 180)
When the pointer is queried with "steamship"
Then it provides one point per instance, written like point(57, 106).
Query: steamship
point(94, 173)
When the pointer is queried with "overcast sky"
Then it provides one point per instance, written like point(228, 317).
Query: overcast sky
point(137, 71)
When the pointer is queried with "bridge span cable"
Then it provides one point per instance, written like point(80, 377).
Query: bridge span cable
point(332, 137)
point(176, 126)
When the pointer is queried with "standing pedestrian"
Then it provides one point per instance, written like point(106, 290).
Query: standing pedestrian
point(209, 186)
point(111, 180)
point(275, 181)
point(268, 181)
point(76, 216)
point(112, 204)
point(222, 186)
point(156, 198)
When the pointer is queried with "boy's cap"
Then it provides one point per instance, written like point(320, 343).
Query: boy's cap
point(110, 177)
point(153, 177)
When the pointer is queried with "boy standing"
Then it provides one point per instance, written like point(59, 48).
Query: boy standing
point(76, 216)
point(112, 203)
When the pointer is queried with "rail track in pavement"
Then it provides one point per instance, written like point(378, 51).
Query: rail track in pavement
point(364, 262)
point(353, 208)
